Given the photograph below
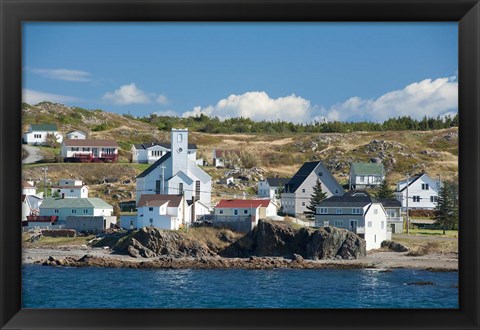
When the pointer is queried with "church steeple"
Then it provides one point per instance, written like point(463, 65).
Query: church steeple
point(179, 147)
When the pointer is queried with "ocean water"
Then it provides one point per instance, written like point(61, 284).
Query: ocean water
point(51, 287)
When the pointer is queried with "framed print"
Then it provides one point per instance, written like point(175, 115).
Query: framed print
point(240, 164)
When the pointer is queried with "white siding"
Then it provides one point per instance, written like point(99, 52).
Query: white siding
point(417, 190)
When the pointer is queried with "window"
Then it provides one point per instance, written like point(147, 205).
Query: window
point(74, 211)
point(71, 190)
point(245, 211)
point(369, 224)
point(150, 209)
point(235, 212)
point(151, 220)
point(303, 190)
point(375, 211)
point(425, 186)
point(336, 191)
point(56, 210)
point(338, 223)
point(75, 149)
point(356, 211)
point(338, 211)
point(326, 223)
point(303, 203)
point(157, 187)
point(416, 199)
point(320, 173)
point(433, 199)
point(131, 222)
point(197, 189)
point(179, 138)
point(323, 210)
point(85, 211)
point(180, 188)
point(382, 224)
point(375, 238)
point(220, 211)
point(85, 149)
point(362, 178)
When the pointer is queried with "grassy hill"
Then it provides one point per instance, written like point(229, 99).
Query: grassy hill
point(434, 151)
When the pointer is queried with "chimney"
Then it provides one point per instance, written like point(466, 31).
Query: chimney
point(193, 209)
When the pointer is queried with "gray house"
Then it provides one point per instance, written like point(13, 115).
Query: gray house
point(298, 190)
point(363, 175)
point(393, 208)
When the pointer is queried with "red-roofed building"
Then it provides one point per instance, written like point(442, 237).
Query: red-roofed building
point(243, 210)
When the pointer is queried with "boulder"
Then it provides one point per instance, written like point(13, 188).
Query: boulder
point(394, 246)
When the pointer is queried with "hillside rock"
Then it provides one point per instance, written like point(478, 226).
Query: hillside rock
point(149, 242)
point(279, 239)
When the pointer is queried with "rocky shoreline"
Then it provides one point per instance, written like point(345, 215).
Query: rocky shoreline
point(97, 257)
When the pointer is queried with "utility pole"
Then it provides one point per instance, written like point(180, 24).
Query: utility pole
point(408, 220)
point(163, 178)
point(45, 181)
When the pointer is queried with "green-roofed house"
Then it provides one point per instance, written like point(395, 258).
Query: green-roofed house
point(82, 214)
point(37, 134)
point(366, 175)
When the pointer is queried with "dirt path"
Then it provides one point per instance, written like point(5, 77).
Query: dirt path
point(34, 155)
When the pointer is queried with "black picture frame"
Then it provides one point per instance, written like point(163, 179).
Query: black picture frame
point(465, 12)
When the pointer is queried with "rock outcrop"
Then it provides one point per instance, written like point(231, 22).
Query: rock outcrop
point(149, 242)
point(279, 239)
point(394, 246)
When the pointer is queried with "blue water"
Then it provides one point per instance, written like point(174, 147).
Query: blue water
point(51, 287)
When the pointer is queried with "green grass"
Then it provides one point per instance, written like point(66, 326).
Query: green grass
point(56, 241)
point(433, 232)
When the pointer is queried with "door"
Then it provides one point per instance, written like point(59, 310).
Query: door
point(95, 152)
point(353, 226)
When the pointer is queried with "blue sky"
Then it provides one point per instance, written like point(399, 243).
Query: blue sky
point(292, 71)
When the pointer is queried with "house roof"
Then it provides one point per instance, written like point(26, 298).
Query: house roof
point(277, 182)
point(300, 176)
point(90, 143)
point(352, 198)
point(59, 203)
point(148, 145)
point(242, 203)
point(70, 187)
point(158, 200)
point(77, 131)
point(26, 184)
point(154, 165)
point(44, 127)
point(368, 168)
point(390, 202)
point(412, 180)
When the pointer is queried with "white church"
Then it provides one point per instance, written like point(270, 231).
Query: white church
point(176, 173)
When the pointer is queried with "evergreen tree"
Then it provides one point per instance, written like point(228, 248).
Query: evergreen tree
point(446, 212)
point(384, 191)
point(317, 196)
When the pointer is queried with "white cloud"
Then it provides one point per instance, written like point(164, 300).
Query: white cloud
point(428, 97)
point(63, 74)
point(127, 94)
point(169, 113)
point(258, 106)
point(34, 97)
point(162, 99)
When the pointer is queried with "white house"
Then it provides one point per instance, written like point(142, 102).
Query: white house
point(271, 188)
point(219, 156)
point(363, 175)
point(37, 134)
point(28, 188)
point(30, 205)
point(149, 153)
point(162, 211)
point(298, 190)
point(79, 135)
point(197, 210)
point(65, 207)
point(85, 150)
point(175, 173)
point(358, 212)
point(244, 210)
point(422, 192)
point(70, 188)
